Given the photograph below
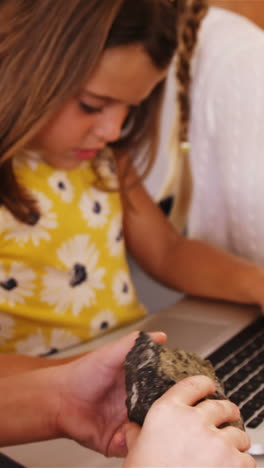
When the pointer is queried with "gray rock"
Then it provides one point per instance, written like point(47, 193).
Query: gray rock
point(151, 369)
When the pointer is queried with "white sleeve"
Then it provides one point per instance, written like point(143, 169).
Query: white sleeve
point(227, 135)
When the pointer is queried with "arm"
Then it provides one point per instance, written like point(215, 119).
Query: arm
point(187, 265)
point(232, 118)
point(175, 434)
point(29, 404)
point(11, 364)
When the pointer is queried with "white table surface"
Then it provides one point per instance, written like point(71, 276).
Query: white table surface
point(64, 453)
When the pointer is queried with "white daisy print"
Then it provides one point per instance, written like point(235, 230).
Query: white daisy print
point(30, 158)
point(38, 229)
point(115, 236)
point(95, 207)
point(6, 328)
point(76, 285)
point(2, 220)
point(33, 345)
point(61, 338)
point(102, 322)
point(123, 288)
point(107, 170)
point(61, 185)
point(16, 283)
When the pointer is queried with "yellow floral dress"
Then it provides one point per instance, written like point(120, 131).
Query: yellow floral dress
point(64, 278)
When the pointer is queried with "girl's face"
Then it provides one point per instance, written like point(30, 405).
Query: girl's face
point(124, 77)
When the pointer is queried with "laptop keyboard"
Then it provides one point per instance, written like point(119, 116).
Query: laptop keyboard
point(239, 364)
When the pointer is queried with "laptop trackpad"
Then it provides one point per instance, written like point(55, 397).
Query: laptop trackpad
point(197, 336)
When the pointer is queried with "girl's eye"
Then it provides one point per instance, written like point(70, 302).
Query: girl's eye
point(89, 109)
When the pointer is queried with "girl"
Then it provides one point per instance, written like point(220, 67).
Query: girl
point(96, 71)
point(81, 83)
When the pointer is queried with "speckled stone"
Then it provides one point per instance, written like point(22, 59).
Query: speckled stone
point(151, 369)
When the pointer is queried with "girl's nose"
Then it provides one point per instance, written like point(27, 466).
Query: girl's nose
point(110, 121)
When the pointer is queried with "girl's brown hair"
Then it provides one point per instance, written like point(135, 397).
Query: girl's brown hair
point(46, 50)
point(192, 13)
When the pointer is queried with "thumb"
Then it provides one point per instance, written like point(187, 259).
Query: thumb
point(132, 431)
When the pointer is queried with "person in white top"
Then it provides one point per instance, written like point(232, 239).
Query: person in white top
point(227, 136)
point(221, 201)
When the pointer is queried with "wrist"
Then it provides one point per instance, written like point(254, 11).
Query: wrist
point(30, 407)
point(50, 396)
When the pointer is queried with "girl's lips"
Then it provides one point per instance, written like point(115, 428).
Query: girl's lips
point(86, 154)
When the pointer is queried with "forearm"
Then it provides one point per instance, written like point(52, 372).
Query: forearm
point(199, 269)
point(29, 404)
point(11, 364)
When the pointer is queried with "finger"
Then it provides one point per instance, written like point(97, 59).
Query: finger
point(247, 461)
point(158, 336)
point(239, 438)
point(217, 412)
point(132, 432)
point(123, 440)
point(117, 446)
point(190, 390)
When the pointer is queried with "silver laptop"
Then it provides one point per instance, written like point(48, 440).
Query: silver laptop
point(205, 327)
point(232, 337)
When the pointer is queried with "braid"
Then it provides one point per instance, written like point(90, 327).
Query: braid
point(192, 13)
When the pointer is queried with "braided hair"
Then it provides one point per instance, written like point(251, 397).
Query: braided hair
point(192, 13)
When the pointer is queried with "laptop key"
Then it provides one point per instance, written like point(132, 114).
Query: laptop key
point(250, 407)
point(255, 422)
point(249, 387)
point(231, 383)
point(238, 397)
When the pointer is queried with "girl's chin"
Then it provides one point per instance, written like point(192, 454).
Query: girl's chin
point(65, 165)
